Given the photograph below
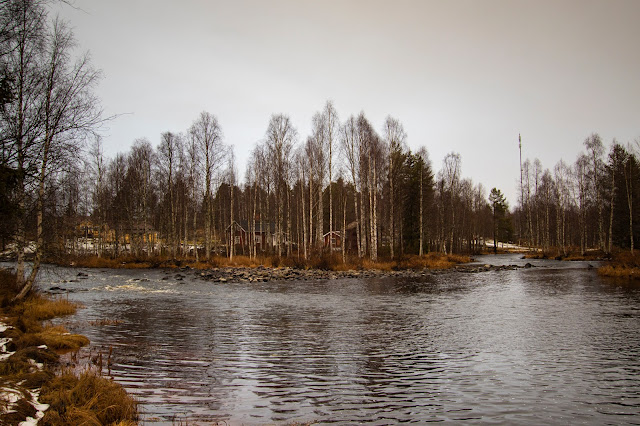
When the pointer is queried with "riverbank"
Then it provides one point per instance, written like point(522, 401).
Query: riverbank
point(573, 254)
point(623, 264)
point(324, 262)
point(38, 381)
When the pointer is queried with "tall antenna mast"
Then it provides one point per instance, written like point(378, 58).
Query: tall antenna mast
point(521, 185)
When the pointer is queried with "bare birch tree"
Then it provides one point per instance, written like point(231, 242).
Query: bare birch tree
point(425, 167)
point(451, 178)
point(395, 137)
point(53, 110)
point(350, 143)
point(331, 129)
point(595, 151)
point(280, 138)
point(208, 136)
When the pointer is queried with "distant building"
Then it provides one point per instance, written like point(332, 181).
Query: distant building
point(333, 239)
point(241, 234)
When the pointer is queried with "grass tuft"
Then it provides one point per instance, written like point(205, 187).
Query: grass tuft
point(40, 308)
point(59, 339)
point(87, 399)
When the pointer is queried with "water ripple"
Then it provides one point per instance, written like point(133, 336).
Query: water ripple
point(553, 344)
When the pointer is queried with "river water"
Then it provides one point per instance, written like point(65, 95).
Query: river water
point(551, 344)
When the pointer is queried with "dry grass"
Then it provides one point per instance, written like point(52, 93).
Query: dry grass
point(87, 399)
point(573, 254)
point(434, 261)
point(622, 265)
point(619, 272)
point(325, 261)
point(428, 261)
point(59, 339)
point(18, 366)
point(40, 308)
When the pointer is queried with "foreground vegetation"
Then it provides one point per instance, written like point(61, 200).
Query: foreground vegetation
point(33, 383)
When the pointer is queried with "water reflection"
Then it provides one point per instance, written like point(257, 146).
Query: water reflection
point(549, 344)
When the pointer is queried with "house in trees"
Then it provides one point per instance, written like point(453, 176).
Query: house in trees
point(333, 239)
point(241, 235)
point(140, 233)
point(88, 230)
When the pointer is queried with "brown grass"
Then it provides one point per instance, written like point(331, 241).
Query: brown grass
point(428, 261)
point(623, 264)
point(18, 364)
point(87, 399)
point(40, 308)
point(619, 272)
point(433, 261)
point(59, 339)
point(573, 254)
point(324, 261)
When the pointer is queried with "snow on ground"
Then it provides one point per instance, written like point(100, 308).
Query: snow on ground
point(4, 354)
point(11, 395)
point(508, 246)
point(40, 409)
point(29, 248)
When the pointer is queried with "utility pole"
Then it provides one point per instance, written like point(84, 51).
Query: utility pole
point(521, 188)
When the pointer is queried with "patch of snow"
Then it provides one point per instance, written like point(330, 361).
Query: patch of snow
point(40, 409)
point(10, 396)
point(38, 365)
point(6, 356)
point(3, 343)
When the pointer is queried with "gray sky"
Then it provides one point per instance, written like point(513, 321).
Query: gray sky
point(463, 76)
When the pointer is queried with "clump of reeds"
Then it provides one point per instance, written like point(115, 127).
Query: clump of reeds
point(87, 399)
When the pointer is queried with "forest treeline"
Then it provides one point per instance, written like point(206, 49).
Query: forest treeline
point(345, 178)
point(587, 204)
point(349, 187)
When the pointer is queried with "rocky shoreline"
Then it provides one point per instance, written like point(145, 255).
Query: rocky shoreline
point(264, 274)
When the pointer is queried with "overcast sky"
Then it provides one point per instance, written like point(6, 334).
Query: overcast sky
point(462, 76)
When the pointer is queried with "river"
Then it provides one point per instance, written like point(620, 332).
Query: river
point(551, 344)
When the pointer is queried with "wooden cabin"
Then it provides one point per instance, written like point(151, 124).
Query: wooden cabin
point(240, 233)
point(333, 239)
